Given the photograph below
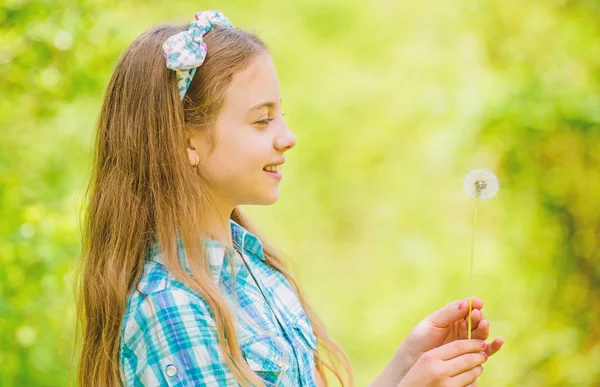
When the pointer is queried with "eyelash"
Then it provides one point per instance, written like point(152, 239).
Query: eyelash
point(266, 121)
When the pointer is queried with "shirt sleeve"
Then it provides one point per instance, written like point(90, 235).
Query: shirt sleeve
point(172, 340)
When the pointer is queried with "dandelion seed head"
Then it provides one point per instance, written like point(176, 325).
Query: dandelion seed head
point(481, 184)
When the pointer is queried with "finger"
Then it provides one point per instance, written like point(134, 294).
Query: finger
point(459, 347)
point(477, 303)
point(465, 362)
point(463, 329)
point(479, 326)
point(452, 312)
point(467, 378)
point(494, 346)
point(474, 384)
point(475, 319)
point(476, 316)
point(480, 318)
point(482, 331)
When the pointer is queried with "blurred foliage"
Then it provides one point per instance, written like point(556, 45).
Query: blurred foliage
point(392, 103)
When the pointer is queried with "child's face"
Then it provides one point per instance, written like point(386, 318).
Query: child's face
point(244, 146)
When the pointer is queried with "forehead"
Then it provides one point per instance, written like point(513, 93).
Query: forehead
point(255, 84)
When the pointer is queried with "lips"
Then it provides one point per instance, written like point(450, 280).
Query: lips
point(273, 168)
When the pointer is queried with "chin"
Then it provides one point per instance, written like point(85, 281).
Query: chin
point(269, 198)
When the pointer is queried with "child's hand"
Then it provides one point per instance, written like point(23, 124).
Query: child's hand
point(441, 328)
point(457, 364)
point(445, 326)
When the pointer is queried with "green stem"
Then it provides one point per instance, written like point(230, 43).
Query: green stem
point(471, 272)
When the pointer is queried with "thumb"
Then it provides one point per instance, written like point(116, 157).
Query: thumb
point(453, 312)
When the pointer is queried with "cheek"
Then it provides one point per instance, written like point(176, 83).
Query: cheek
point(249, 155)
point(234, 166)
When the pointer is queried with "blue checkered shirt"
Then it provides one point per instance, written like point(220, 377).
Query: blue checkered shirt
point(170, 338)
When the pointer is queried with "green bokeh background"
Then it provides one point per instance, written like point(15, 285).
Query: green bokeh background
point(392, 103)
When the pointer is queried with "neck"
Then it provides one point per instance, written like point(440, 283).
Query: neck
point(222, 230)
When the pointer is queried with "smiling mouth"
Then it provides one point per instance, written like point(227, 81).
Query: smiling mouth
point(273, 168)
point(273, 171)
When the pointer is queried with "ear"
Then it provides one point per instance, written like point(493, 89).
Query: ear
point(193, 156)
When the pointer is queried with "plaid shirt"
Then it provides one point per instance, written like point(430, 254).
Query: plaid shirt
point(174, 342)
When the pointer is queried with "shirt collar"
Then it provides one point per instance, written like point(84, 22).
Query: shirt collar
point(216, 252)
point(243, 240)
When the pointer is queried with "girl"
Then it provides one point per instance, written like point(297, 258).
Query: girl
point(177, 287)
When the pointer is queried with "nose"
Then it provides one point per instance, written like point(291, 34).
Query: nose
point(286, 140)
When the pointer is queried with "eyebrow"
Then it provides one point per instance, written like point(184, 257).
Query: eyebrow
point(270, 105)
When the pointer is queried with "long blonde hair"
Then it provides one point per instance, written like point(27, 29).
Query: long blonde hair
point(143, 186)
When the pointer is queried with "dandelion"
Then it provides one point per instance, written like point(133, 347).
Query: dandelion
point(479, 184)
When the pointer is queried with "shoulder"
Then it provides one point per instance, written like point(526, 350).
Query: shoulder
point(158, 303)
point(156, 279)
point(169, 335)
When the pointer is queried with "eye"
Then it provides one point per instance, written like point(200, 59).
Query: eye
point(264, 122)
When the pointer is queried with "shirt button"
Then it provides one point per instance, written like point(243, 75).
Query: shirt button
point(171, 370)
point(279, 363)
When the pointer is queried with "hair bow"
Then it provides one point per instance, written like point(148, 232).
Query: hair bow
point(186, 50)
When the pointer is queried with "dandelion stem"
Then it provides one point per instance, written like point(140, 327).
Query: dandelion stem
point(471, 272)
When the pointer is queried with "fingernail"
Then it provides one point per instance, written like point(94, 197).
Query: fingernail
point(483, 344)
point(460, 305)
point(485, 355)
